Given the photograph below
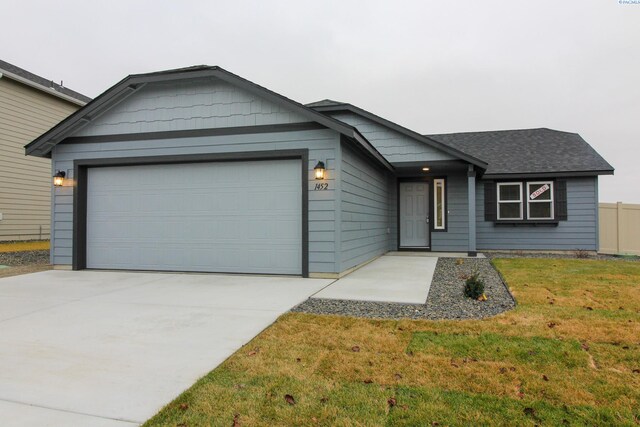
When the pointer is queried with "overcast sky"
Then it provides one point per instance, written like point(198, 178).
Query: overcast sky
point(432, 66)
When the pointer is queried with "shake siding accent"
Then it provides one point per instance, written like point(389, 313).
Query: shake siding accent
point(394, 146)
point(322, 144)
point(364, 209)
point(578, 232)
point(25, 193)
point(192, 104)
point(456, 238)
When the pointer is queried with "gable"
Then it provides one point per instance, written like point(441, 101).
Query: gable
point(394, 146)
point(189, 104)
point(161, 115)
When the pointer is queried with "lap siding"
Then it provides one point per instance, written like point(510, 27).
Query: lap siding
point(578, 232)
point(364, 209)
point(321, 144)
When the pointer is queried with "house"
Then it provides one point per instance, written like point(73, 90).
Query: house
point(29, 106)
point(198, 169)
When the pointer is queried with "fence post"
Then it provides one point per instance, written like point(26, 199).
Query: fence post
point(619, 226)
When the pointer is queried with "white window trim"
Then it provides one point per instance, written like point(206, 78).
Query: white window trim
point(442, 207)
point(529, 201)
point(520, 201)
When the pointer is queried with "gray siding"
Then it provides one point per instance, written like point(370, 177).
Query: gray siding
point(190, 104)
point(365, 209)
point(394, 146)
point(322, 145)
point(580, 231)
point(456, 238)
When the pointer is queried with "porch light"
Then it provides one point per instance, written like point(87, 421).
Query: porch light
point(319, 170)
point(426, 169)
point(58, 178)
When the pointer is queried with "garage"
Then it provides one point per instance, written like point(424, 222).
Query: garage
point(224, 216)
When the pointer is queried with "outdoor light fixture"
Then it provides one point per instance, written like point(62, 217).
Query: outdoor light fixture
point(319, 169)
point(58, 178)
point(425, 169)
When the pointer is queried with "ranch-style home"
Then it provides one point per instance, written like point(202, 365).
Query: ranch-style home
point(198, 169)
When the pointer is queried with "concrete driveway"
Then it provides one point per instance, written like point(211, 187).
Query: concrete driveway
point(89, 348)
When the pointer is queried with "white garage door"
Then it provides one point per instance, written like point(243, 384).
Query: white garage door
point(239, 217)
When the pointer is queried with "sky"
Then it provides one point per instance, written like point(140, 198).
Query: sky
point(431, 66)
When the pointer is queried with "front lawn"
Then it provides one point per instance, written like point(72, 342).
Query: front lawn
point(569, 354)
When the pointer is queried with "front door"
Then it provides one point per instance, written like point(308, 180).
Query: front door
point(414, 215)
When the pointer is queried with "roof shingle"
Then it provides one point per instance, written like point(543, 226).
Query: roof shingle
point(528, 151)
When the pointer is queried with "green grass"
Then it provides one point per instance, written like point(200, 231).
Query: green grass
point(569, 354)
point(420, 405)
point(534, 351)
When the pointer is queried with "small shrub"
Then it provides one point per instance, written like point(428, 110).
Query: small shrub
point(474, 287)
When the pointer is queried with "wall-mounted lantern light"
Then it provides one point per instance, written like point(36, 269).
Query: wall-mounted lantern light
point(58, 178)
point(319, 170)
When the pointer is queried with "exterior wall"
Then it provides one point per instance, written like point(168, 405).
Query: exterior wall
point(580, 231)
point(365, 209)
point(322, 144)
point(394, 146)
point(25, 193)
point(456, 237)
point(190, 104)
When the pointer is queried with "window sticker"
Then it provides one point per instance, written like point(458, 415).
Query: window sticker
point(539, 191)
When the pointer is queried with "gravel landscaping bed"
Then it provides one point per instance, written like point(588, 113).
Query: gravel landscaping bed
point(446, 298)
point(24, 258)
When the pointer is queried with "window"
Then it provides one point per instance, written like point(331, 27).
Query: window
point(540, 200)
point(438, 203)
point(537, 202)
point(509, 200)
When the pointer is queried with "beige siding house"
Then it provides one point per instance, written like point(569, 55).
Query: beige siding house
point(29, 106)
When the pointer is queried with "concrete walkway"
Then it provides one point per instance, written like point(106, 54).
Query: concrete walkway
point(89, 348)
point(390, 278)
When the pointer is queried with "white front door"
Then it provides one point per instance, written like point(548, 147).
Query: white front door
point(414, 215)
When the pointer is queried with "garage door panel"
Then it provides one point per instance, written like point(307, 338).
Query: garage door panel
point(228, 217)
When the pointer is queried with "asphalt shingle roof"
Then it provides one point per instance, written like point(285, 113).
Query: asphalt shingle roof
point(42, 81)
point(528, 151)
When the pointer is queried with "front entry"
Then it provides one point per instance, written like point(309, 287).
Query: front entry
point(414, 215)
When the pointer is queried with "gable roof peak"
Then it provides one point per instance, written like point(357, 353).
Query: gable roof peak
point(336, 107)
point(325, 103)
point(43, 145)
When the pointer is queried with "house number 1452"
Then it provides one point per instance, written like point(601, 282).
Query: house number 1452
point(322, 186)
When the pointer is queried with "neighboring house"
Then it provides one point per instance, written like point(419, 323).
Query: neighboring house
point(197, 169)
point(29, 106)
